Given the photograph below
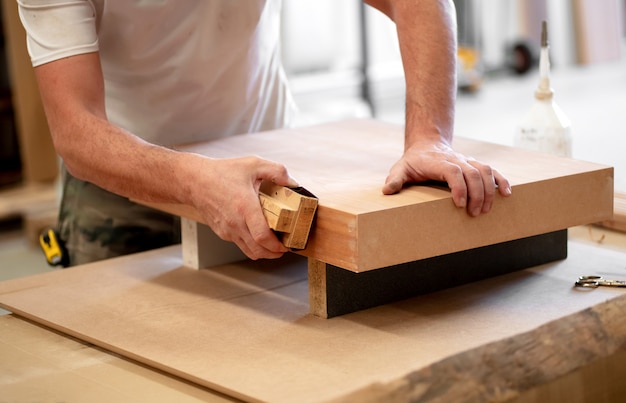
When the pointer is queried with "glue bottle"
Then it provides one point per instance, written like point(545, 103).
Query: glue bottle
point(545, 128)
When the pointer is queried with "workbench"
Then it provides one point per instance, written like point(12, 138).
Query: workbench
point(253, 330)
point(245, 330)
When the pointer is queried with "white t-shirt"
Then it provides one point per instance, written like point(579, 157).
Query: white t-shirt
point(175, 71)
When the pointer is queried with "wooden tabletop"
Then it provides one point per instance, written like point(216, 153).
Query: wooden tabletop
point(358, 228)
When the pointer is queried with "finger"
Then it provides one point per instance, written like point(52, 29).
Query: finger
point(489, 184)
point(260, 238)
point(227, 233)
point(243, 246)
point(256, 250)
point(453, 175)
point(392, 185)
point(275, 173)
point(250, 238)
point(475, 189)
point(395, 180)
point(504, 187)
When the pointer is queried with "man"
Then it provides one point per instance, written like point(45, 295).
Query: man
point(122, 80)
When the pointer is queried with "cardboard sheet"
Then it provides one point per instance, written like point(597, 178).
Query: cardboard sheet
point(244, 329)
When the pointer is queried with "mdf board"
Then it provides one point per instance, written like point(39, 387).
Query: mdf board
point(244, 329)
point(359, 229)
point(39, 365)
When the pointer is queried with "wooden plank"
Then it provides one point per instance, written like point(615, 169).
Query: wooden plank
point(289, 213)
point(334, 291)
point(244, 329)
point(278, 215)
point(358, 228)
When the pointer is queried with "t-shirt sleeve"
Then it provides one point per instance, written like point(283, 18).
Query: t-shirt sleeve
point(58, 28)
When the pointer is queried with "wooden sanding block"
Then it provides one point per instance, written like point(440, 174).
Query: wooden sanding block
point(289, 212)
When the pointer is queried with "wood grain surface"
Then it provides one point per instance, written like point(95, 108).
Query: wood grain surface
point(244, 329)
point(358, 228)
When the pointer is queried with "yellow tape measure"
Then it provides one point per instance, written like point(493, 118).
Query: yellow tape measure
point(53, 248)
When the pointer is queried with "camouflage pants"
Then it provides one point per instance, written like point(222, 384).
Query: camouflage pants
point(95, 224)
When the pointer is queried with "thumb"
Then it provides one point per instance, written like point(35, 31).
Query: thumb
point(285, 180)
point(278, 174)
point(393, 184)
point(291, 182)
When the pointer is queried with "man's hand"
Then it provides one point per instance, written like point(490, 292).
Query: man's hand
point(473, 184)
point(226, 193)
point(427, 38)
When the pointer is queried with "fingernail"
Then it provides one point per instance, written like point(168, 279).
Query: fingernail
point(462, 202)
point(476, 212)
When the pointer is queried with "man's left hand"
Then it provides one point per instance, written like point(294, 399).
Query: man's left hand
point(473, 184)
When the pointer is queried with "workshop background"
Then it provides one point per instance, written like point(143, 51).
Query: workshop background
point(343, 61)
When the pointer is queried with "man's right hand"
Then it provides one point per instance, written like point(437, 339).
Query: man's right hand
point(225, 191)
point(226, 194)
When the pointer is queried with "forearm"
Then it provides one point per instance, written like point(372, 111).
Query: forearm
point(223, 191)
point(96, 151)
point(427, 37)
